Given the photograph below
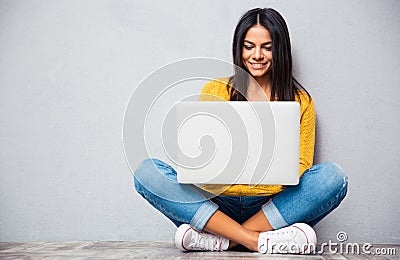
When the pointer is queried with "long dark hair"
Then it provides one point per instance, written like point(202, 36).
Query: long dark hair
point(284, 85)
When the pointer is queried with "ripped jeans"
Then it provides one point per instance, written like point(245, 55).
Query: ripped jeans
point(320, 190)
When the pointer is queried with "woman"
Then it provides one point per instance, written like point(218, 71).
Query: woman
point(268, 218)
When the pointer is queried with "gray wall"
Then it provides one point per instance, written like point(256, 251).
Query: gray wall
point(68, 68)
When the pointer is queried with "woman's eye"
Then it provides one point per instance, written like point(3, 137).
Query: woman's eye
point(268, 48)
point(248, 47)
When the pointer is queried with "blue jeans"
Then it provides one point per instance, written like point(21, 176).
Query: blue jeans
point(321, 189)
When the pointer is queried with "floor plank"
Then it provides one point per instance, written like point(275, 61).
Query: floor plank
point(153, 250)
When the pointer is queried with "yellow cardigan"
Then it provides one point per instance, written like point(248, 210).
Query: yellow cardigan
point(216, 91)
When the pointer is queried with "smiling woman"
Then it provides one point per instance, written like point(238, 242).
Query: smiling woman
point(264, 218)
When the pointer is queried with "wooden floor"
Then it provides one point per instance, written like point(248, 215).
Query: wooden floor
point(151, 250)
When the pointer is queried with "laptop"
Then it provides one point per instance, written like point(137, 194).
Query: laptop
point(253, 143)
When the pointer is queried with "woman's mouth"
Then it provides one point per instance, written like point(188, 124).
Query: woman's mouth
point(257, 65)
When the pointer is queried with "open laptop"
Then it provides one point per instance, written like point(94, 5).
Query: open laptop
point(254, 143)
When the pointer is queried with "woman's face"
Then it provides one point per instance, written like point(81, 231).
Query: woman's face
point(257, 51)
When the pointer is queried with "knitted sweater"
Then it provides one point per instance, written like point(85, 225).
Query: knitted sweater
point(216, 91)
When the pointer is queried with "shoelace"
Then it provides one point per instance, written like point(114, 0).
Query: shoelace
point(284, 236)
point(204, 241)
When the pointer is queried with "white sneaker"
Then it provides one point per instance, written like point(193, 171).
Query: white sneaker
point(188, 239)
point(298, 238)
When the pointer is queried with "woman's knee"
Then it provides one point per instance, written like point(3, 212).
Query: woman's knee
point(144, 167)
point(152, 172)
point(141, 173)
point(334, 177)
point(329, 178)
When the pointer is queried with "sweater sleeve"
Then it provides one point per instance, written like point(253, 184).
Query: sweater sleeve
point(307, 133)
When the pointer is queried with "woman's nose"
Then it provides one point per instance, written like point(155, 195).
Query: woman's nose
point(257, 54)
